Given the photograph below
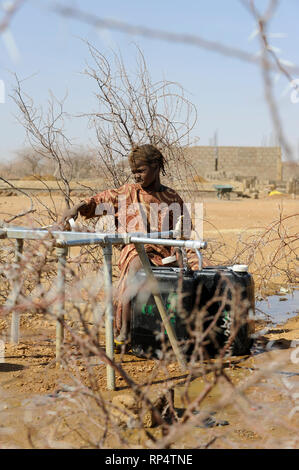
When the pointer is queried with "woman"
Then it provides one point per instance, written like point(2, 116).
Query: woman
point(146, 163)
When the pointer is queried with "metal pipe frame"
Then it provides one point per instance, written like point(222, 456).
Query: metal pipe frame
point(63, 240)
point(87, 238)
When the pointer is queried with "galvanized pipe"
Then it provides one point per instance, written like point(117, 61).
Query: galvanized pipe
point(15, 317)
point(87, 237)
point(107, 251)
point(199, 257)
point(61, 253)
point(193, 244)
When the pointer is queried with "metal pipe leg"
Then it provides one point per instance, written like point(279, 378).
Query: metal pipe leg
point(61, 253)
point(15, 317)
point(199, 257)
point(107, 251)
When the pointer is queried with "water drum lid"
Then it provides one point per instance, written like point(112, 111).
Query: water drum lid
point(240, 268)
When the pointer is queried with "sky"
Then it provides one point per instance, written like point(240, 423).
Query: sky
point(49, 53)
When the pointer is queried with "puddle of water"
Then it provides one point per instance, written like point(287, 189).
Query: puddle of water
point(277, 311)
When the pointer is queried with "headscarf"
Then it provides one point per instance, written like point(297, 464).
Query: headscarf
point(146, 154)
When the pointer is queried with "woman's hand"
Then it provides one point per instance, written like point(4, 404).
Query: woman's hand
point(71, 214)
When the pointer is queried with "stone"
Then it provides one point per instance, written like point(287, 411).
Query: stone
point(128, 411)
point(127, 401)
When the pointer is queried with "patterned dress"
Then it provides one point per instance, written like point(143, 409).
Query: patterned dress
point(134, 199)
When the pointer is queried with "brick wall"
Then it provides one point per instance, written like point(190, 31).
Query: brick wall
point(290, 170)
point(263, 162)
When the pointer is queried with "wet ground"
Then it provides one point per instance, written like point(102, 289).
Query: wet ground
point(260, 411)
point(255, 406)
point(279, 308)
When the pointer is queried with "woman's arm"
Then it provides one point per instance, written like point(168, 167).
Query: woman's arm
point(87, 207)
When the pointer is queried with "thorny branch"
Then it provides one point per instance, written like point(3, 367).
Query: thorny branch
point(10, 12)
point(26, 212)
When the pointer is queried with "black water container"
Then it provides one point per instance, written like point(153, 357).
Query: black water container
point(213, 304)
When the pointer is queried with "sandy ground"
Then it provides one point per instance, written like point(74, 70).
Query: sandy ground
point(28, 369)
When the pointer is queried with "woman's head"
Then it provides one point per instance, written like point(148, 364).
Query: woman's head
point(147, 154)
point(146, 162)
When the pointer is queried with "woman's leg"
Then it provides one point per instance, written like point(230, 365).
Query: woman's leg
point(124, 334)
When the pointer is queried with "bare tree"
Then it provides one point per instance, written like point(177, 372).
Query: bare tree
point(133, 110)
point(45, 133)
point(30, 161)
